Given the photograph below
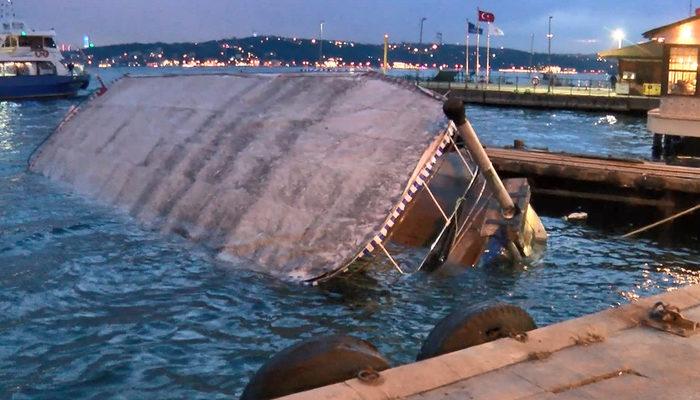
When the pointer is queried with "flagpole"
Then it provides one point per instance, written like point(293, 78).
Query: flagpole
point(478, 44)
point(488, 52)
point(466, 58)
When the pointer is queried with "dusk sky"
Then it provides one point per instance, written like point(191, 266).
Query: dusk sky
point(580, 26)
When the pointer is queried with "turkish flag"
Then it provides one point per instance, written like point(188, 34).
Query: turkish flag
point(485, 16)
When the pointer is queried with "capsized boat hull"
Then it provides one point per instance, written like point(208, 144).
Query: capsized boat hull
point(41, 86)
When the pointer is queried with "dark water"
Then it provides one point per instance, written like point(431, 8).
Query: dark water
point(93, 306)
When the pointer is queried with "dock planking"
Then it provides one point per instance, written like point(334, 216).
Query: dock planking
point(611, 354)
point(634, 182)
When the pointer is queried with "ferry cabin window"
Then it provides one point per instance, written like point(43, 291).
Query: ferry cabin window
point(683, 71)
point(8, 69)
point(25, 69)
point(34, 42)
point(45, 68)
point(10, 41)
point(49, 42)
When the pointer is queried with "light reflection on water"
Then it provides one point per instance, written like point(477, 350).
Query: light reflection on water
point(92, 305)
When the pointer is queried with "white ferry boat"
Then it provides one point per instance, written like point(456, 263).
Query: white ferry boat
point(31, 66)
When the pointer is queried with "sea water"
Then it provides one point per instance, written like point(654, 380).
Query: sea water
point(94, 306)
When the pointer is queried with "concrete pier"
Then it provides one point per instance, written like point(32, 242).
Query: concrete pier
point(608, 355)
point(594, 101)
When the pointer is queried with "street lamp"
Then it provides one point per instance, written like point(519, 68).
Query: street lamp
point(619, 35)
point(550, 35)
point(320, 46)
point(420, 46)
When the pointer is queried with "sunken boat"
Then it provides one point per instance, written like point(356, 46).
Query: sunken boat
point(303, 176)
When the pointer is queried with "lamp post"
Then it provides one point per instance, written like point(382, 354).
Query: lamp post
point(532, 53)
point(619, 36)
point(420, 46)
point(549, 55)
point(320, 46)
point(385, 64)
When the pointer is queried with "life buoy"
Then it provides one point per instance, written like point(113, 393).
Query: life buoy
point(535, 81)
point(41, 53)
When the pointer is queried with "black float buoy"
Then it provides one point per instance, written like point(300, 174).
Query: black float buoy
point(314, 363)
point(475, 325)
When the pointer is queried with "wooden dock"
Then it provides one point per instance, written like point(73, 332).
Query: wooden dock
point(560, 99)
point(608, 355)
point(632, 182)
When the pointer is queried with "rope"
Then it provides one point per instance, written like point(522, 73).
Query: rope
point(663, 221)
point(471, 211)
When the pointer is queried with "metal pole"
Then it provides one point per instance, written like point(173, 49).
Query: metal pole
point(420, 46)
point(478, 44)
point(549, 55)
point(532, 53)
point(420, 43)
point(454, 110)
point(549, 42)
point(488, 53)
point(386, 54)
point(466, 58)
point(320, 46)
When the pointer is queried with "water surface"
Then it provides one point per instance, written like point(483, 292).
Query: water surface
point(94, 306)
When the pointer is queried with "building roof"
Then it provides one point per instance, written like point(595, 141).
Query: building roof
point(652, 33)
point(651, 50)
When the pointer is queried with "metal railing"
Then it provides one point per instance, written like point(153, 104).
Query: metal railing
point(560, 85)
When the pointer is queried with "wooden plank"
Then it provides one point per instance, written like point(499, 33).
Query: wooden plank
point(617, 173)
point(594, 162)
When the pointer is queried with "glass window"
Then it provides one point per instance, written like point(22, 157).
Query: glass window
point(49, 42)
point(683, 71)
point(45, 68)
point(10, 41)
point(8, 69)
point(35, 42)
point(24, 68)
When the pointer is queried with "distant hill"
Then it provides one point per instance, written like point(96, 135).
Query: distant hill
point(293, 51)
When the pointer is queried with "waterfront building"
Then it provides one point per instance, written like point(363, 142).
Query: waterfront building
point(640, 68)
point(676, 123)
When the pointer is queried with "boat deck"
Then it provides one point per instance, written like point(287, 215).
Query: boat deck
point(608, 355)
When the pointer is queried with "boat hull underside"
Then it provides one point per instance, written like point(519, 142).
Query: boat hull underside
point(23, 87)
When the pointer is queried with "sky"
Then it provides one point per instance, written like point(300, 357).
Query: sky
point(579, 26)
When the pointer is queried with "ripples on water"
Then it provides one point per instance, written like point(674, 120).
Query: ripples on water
point(561, 130)
point(93, 306)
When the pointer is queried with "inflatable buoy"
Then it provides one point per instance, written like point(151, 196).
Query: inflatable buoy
point(475, 325)
point(315, 363)
point(535, 81)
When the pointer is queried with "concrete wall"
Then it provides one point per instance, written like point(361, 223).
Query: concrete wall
point(568, 102)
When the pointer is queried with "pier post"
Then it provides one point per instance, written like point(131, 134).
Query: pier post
point(657, 147)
